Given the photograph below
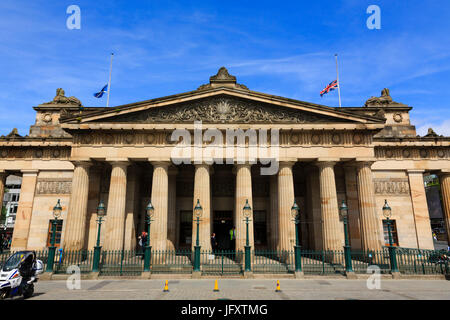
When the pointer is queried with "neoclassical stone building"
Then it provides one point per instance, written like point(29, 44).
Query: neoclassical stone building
point(124, 156)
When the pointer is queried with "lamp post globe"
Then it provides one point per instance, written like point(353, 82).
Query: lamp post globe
point(57, 209)
point(387, 211)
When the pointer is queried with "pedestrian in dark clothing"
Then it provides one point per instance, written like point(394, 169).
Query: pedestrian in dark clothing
point(213, 243)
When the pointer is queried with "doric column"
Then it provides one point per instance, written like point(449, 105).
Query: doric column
point(115, 219)
point(370, 224)
point(24, 210)
point(131, 211)
point(314, 207)
point(420, 210)
point(3, 176)
point(160, 201)
point(243, 193)
point(171, 218)
point(351, 191)
point(286, 227)
point(332, 228)
point(202, 192)
point(445, 192)
point(273, 216)
point(75, 228)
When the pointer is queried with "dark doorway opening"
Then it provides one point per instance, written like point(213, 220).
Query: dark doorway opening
point(222, 224)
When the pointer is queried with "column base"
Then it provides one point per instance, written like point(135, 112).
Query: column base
point(248, 275)
point(351, 275)
point(396, 275)
point(93, 275)
point(299, 275)
point(196, 274)
point(146, 275)
point(45, 276)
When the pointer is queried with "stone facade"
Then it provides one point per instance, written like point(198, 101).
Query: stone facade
point(124, 156)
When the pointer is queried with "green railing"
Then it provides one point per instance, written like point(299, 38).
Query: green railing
point(121, 263)
point(83, 259)
point(230, 262)
point(221, 262)
point(171, 261)
point(272, 261)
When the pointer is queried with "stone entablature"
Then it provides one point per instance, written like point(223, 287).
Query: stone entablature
point(24, 152)
point(163, 137)
point(438, 152)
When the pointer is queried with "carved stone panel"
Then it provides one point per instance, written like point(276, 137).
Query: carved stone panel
point(398, 186)
point(53, 187)
point(223, 110)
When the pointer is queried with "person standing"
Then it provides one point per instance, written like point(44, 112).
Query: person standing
point(213, 243)
point(233, 238)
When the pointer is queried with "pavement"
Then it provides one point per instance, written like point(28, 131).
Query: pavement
point(243, 289)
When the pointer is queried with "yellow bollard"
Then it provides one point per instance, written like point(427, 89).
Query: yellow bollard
point(278, 286)
point(166, 287)
point(216, 287)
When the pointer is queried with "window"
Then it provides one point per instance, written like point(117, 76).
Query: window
point(393, 233)
point(59, 224)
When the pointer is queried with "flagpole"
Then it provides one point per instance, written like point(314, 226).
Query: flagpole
point(109, 82)
point(339, 85)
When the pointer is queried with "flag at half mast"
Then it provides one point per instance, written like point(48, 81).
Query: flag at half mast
point(333, 85)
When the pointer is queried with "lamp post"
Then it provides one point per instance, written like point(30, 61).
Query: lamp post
point(198, 211)
point(295, 213)
point(247, 212)
point(387, 213)
point(343, 212)
point(101, 212)
point(57, 209)
point(150, 211)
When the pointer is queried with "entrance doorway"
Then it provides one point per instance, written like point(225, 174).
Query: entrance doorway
point(223, 223)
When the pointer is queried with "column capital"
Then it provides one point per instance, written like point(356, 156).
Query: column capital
point(237, 166)
point(162, 164)
point(444, 173)
point(325, 163)
point(82, 163)
point(412, 171)
point(119, 163)
point(30, 172)
point(284, 164)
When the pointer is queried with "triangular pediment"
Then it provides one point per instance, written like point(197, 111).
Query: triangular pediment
point(222, 105)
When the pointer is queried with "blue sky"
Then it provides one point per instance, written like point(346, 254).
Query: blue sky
point(278, 47)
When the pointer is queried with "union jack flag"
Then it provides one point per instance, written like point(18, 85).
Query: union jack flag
point(333, 85)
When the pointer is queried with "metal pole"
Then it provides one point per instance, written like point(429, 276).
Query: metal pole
point(339, 85)
point(98, 248)
point(197, 249)
point(347, 249)
point(52, 248)
point(297, 249)
point(247, 250)
point(392, 249)
point(148, 248)
point(109, 82)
